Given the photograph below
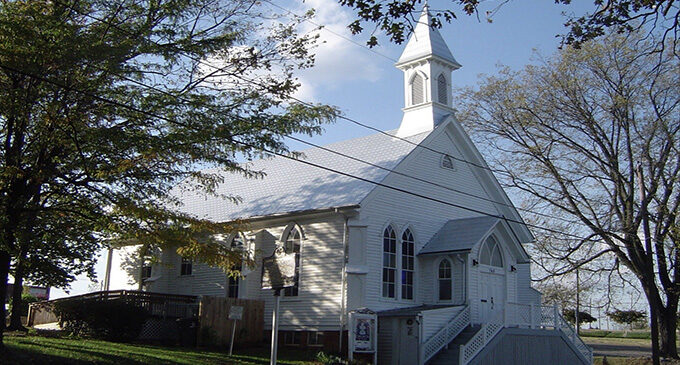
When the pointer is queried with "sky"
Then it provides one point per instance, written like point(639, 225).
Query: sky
point(364, 84)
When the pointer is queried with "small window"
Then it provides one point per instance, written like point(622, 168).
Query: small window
point(447, 162)
point(146, 267)
point(315, 338)
point(185, 267)
point(232, 286)
point(442, 92)
point(407, 264)
point(292, 244)
point(291, 338)
point(445, 280)
point(417, 90)
point(389, 263)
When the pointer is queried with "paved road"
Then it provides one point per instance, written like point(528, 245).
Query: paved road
point(623, 350)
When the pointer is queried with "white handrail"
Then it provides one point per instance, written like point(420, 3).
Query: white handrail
point(488, 331)
point(531, 315)
point(445, 335)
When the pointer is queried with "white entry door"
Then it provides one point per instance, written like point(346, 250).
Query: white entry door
point(491, 294)
point(408, 341)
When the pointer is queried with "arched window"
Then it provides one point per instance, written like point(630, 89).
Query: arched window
point(389, 263)
point(407, 264)
point(442, 91)
point(490, 253)
point(233, 282)
point(292, 244)
point(417, 89)
point(447, 162)
point(445, 280)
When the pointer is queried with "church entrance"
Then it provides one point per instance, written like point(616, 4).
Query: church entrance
point(492, 295)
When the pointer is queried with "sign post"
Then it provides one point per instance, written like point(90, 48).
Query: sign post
point(278, 272)
point(235, 314)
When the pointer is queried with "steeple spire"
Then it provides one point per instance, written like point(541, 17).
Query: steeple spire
point(427, 64)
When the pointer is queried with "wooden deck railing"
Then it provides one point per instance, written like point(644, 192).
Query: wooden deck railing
point(158, 304)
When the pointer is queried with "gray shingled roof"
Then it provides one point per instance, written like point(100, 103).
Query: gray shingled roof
point(460, 235)
point(290, 186)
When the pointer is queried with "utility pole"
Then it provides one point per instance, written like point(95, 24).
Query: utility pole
point(578, 303)
point(650, 263)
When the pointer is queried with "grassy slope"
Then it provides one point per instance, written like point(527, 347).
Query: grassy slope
point(42, 350)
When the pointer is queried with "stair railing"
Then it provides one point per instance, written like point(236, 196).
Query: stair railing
point(445, 335)
point(485, 334)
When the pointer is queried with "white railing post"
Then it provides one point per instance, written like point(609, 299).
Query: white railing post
point(532, 320)
point(555, 326)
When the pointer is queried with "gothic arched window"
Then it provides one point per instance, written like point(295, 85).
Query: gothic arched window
point(445, 280)
point(389, 263)
point(490, 253)
point(407, 264)
point(292, 244)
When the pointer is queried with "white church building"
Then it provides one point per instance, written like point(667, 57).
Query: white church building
point(427, 239)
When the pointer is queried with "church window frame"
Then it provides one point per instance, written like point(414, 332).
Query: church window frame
point(389, 263)
point(444, 280)
point(237, 242)
point(292, 238)
point(491, 253)
point(407, 270)
point(442, 90)
point(448, 162)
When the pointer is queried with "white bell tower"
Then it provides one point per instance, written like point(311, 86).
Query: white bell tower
point(427, 64)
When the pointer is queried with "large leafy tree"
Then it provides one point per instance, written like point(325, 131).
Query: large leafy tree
point(106, 105)
point(396, 17)
point(591, 136)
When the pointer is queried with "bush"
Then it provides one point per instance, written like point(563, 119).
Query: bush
point(112, 320)
point(26, 299)
point(328, 359)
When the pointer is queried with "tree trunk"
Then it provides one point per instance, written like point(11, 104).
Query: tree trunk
point(4, 275)
point(18, 289)
point(667, 326)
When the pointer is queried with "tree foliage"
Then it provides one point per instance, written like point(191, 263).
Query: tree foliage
point(627, 317)
point(396, 17)
point(583, 317)
point(105, 106)
point(571, 135)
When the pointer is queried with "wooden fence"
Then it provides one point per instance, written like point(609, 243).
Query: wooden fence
point(158, 304)
point(215, 327)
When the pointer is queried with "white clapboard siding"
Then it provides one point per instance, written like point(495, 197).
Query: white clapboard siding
point(434, 320)
point(317, 307)
point(384, 206)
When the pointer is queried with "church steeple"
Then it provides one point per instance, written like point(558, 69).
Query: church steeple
point(427, 64)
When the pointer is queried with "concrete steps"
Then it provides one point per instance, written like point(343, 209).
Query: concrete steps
point(450, 356)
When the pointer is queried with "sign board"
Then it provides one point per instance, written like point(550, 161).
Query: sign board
point(278, 270)
point(236, 312)
point(363, 331)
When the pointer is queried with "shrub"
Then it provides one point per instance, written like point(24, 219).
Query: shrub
point(328, 359)
point(112, 320)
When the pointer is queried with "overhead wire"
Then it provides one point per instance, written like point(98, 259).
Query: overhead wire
point(307, 162)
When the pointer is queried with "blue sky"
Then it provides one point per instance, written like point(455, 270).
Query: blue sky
point(368, 88)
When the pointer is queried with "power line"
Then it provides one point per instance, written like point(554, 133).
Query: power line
point(324, 27)
point(338, 116)
point(320, 166)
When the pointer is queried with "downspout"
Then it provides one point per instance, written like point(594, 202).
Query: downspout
point(343, 278)
point(465, 286)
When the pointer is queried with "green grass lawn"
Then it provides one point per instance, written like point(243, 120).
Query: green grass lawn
point(44, 350)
